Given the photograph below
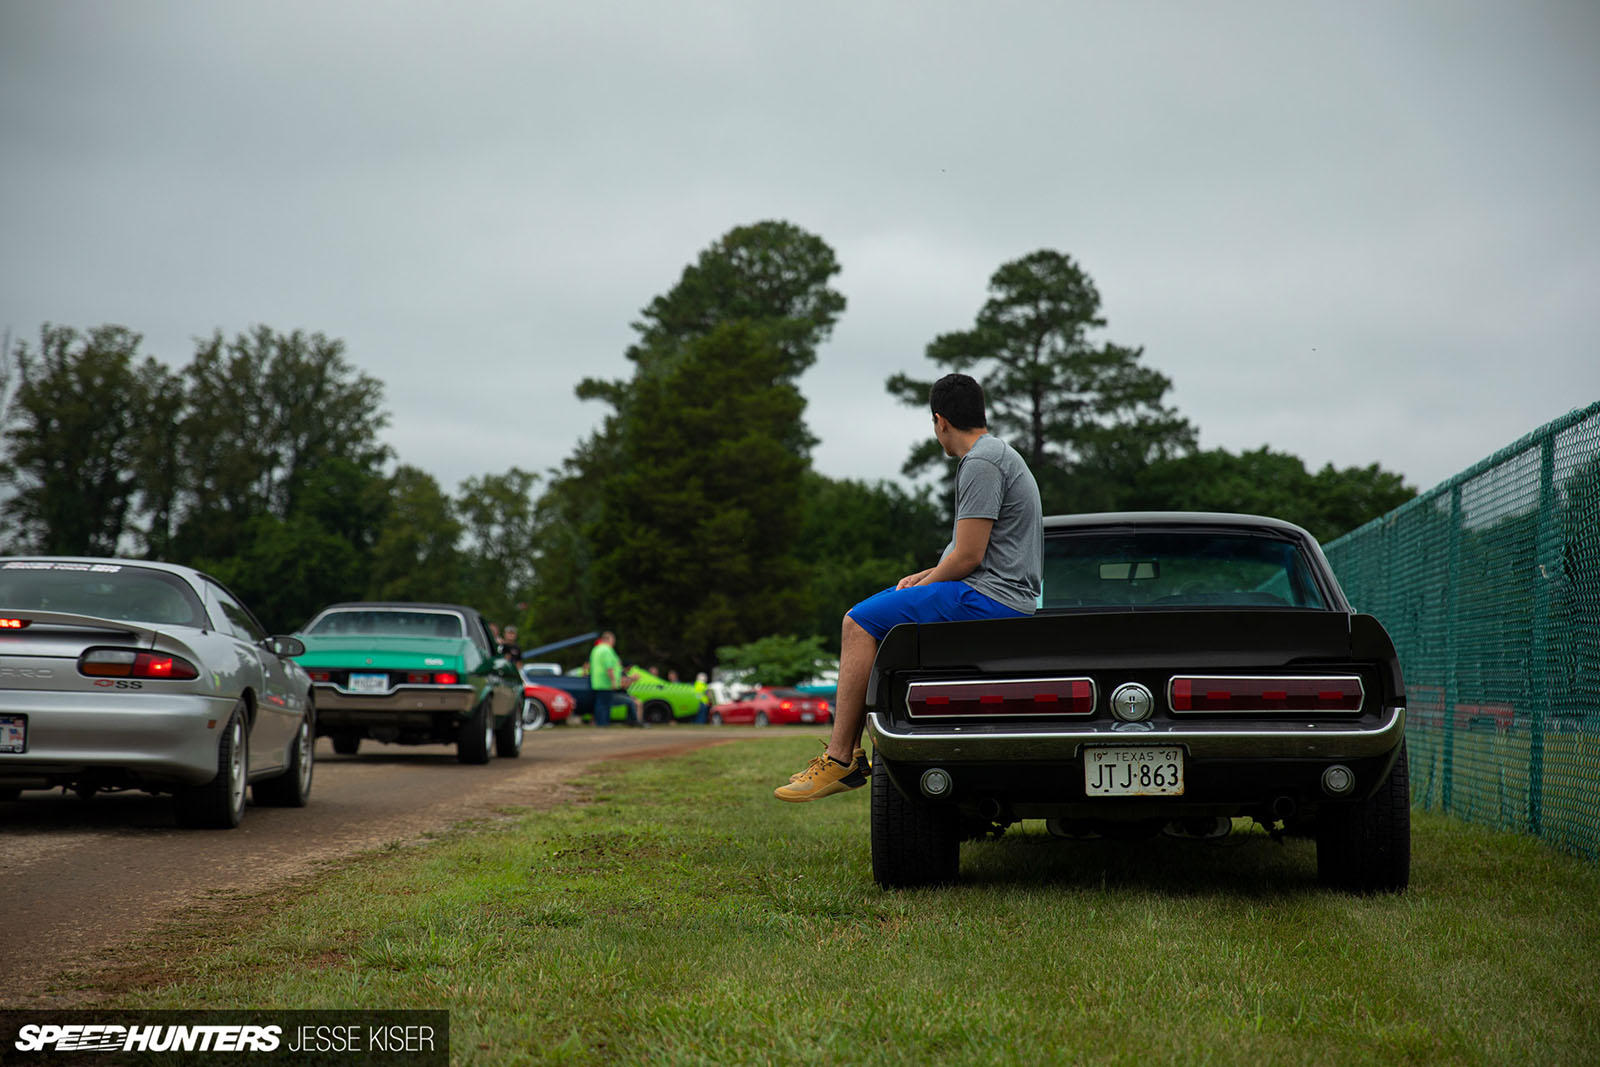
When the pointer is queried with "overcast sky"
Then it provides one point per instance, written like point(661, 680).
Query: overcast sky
point(1358, 233)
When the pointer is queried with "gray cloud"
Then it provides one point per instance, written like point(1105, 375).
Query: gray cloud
point(1360, 235)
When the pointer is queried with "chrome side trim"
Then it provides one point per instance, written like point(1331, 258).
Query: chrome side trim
point(1226, 740)
point(1356, 678)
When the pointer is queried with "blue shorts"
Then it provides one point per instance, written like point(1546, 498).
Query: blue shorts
point(936, 602)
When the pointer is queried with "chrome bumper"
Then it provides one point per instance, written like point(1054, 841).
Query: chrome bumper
point(1210, 740)
point(455, 699)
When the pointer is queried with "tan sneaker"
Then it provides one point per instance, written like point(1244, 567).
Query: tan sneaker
point(823, 777)
point(860, 754)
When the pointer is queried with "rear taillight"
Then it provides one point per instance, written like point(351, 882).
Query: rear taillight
point(1289, 693)
point(446, 678)
point(784, 705)
point(1030, 697)
point(126, 663)
point(418, 678)
point(15, 624)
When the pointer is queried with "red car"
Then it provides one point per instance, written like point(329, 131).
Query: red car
point(772, 705)
point(544, 704)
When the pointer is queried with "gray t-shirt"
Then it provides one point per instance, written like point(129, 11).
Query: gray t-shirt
point(994, 482)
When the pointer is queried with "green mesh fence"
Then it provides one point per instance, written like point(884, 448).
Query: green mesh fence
point(1490, 586)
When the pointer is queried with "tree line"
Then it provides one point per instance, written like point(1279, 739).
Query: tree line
point(690, 520)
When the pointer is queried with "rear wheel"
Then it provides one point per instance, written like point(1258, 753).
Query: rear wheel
point(292, 788)
point(476, 736)
point(657, 712)
point(346, 743)
point(1366, 847)
point(914, 843)
point(219, 804)
point(508, 736)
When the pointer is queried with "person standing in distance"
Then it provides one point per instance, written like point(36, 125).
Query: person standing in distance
point(608, 681)
point(992, 569)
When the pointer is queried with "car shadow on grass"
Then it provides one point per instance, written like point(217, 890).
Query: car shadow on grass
point(1244, 863)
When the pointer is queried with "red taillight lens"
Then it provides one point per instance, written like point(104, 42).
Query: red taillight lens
point(784, 705)
point(15, 624)
point(1030, 697)
point(126, 663)
point(321, 676)
point(446, 678)
point(418, 678)
point(1213, 693)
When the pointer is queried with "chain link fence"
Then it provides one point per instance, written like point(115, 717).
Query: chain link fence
point(1489, 584)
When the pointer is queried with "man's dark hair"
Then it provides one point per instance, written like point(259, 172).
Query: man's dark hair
point(959, 398)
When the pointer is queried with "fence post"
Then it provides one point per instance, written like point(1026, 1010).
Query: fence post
point(1452, 624)
point(1546, 564)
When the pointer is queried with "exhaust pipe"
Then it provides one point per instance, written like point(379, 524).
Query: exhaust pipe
point(1283, 807)
point(991, 809)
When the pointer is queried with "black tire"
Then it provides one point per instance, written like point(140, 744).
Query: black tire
point(716, 718)
point(761, 718)
point(914, 843)
point(1366, 847)
point(476, 736)
point(9, 794)
point(508, 735)
point(292, 788)
point(219, 804)
point(346, 743)
point(534, 714)
point(657, 711)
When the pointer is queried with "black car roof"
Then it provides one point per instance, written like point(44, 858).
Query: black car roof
point(1173, 518)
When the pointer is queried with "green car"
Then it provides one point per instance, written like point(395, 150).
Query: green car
point(412, 674)
point(661, 700)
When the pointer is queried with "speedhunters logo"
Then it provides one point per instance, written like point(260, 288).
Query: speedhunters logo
point(413, 1038)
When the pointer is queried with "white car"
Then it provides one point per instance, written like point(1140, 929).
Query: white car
point(127, 674)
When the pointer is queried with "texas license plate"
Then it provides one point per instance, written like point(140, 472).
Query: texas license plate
point(368, 683)
point(1146, 771)
point(13, 733)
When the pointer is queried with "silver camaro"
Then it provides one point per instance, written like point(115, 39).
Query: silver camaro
point(126, 674)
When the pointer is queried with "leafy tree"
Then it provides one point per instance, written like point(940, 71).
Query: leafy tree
point(1263, 482)
point(777, 659)
point(857, 538)
point(73, 439)
point(694, 547)
point(1086, 416)
point(289, 569)
point(264, 411)
point(417, 555)
point(675, 522)
point(497, 513)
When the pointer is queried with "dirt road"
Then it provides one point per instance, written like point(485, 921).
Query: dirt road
point(80, 878)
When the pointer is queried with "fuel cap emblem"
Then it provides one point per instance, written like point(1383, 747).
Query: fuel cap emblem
point(1131, 702)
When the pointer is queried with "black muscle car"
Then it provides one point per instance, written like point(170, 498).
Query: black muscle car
point(1183, 669)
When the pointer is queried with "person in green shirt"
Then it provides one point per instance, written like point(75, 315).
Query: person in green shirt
point(609, 682)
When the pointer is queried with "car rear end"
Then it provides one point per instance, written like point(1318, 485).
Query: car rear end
point(406, 690)
point(95, 703)
point(1182, 670)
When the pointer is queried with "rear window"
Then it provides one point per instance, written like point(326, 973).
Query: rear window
point(103, 590)
point(365, 622)
point(1177, 569)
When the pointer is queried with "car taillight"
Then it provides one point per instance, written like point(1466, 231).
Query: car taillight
point(418, 677)
point(784, 705)
point(446, 678)
point(321, 676)
point(15, 624)
point(1031, 697)
point(1289, 693)
point(126, 663)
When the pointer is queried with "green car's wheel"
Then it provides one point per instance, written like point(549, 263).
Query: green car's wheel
point(476, 736)
point(508, 737)
point(657, 711)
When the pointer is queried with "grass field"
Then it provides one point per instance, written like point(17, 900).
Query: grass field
point(682, 916)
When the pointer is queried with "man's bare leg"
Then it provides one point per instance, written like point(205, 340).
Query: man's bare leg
point(839, 771)
point(857, 648)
